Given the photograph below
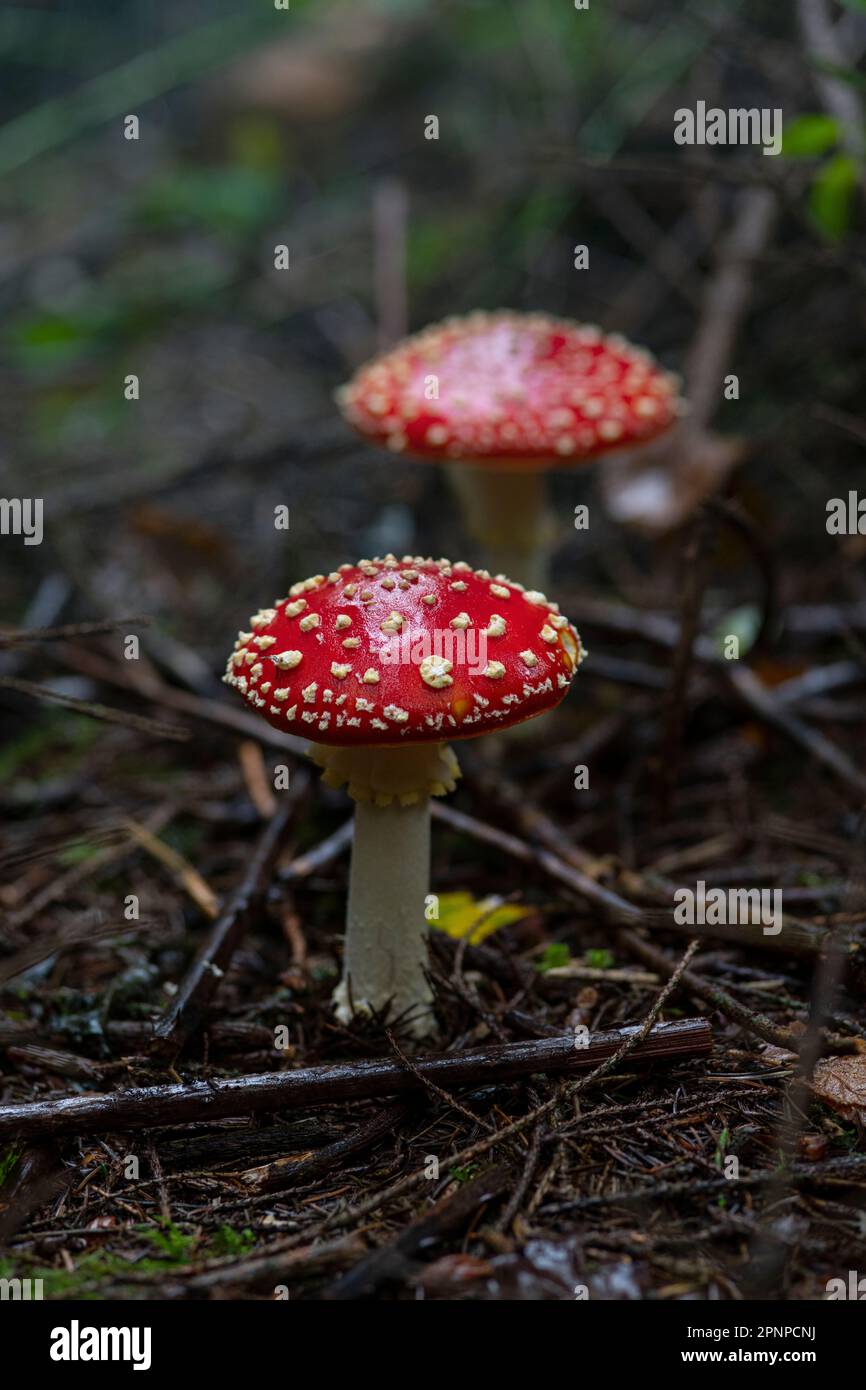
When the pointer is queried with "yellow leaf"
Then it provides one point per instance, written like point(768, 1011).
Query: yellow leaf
point(462, 915)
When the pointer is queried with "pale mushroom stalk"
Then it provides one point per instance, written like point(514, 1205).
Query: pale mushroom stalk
point(385, 953)
point(385, 957)
point(507, 512)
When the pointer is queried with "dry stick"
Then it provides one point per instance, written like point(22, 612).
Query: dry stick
point(185, 1012)
point(186, 876)
point(663, 631)
point(256, 778)
point(758, 1024)
point(726, 302)
point(288, 1172)
point(798, 940)
point(273, 1267)
point(57, 1063)
point(62, 886)
point(223, 714)
point(848, 1171)
point(755, 694)
point(518, 849)
point(138, 722)
point(16, 637)
point(395, 1261)
point(91, 929)
point(322, 854)
point(530, 1164)
point(433, 1089)
point(345, 1081)
point(232, 1035)
point(532, 821)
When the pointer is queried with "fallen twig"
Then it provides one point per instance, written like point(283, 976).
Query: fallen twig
point(138, 722)
point(62, 886)
point(17, 637)
point(211, 1100)
point(185, 1012)
point(288, 1172)
point(394, 1262)
point(793, 939)
point(755, 1023)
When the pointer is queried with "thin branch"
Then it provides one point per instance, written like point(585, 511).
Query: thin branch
point(138, 722)
point(347, 1081)
point(199, 985)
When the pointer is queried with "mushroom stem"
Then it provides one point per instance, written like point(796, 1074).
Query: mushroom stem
point(506, 511)
point(386, 954)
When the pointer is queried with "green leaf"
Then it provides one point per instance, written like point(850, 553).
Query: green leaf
point(808, 136)
point(8, 1162)
point(599, 959)
point(831, 198)
point(464, 1174)
point(553, 957)
point(461, 915)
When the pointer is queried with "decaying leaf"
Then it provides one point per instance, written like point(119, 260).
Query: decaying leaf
point(840, 1082)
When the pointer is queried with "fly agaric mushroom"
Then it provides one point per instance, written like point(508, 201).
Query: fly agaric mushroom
point(505, 397)
point(380, 663)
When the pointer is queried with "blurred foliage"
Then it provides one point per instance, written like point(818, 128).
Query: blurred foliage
point(59, 742)
point(231, 201)
point(833, 193)
point(156, 257)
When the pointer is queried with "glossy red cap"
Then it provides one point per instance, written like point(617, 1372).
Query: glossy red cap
point(404, 651)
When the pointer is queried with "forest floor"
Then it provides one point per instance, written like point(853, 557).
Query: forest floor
point(715, 1171)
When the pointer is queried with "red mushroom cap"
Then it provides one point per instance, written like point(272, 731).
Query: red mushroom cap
point(511, 389)
point(404, 651)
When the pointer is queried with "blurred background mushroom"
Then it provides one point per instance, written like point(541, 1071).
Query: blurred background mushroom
point(504, 398)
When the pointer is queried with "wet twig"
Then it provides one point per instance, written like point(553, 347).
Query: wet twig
point(159, 1105)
